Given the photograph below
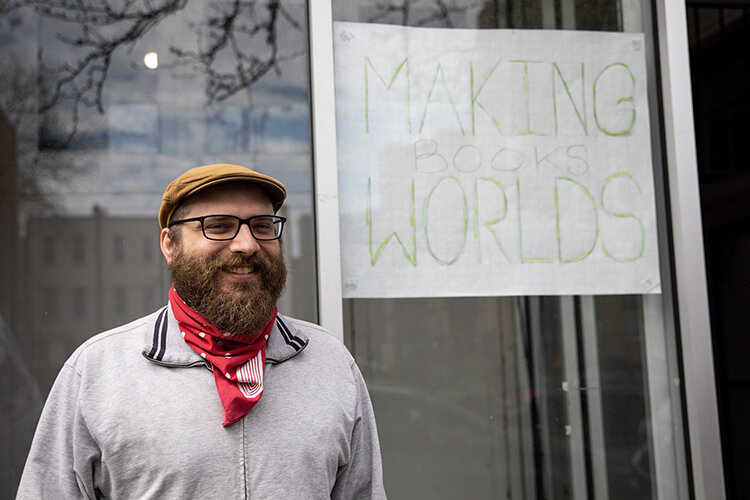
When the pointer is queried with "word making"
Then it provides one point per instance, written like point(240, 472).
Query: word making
point(507, 97)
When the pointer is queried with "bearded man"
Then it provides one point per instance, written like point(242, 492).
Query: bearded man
point(216, 395)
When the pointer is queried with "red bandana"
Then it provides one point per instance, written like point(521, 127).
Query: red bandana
point(238, 367)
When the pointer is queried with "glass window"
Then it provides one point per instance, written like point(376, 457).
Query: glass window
point(119, 301)
point(150, 248)
point(50, 299)
point(79, 249)
point(524, 397)
point(118, 249)
point(148, 293)
point(50, 253)
point(79, 308)
point(95, 119)
point(133, 128)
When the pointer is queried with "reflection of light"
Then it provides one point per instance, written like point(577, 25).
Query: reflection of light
point(151, 60)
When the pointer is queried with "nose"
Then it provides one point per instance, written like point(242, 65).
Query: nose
point(244, 241)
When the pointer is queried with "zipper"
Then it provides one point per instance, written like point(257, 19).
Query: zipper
point(243, 464)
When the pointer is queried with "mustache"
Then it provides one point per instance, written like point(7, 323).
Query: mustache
point(216, 263)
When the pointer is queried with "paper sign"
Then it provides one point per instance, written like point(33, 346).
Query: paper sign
point(493, 162)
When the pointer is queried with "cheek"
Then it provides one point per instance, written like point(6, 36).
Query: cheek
point(198, 255)
point(205, 248)
point(271, 250)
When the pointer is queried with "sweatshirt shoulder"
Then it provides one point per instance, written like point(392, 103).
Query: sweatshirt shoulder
point(116, 341)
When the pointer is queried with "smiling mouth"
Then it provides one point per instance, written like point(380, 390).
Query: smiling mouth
point(241, 270)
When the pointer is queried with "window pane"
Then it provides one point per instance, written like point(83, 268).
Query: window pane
point(562, 397)
point(89, 139)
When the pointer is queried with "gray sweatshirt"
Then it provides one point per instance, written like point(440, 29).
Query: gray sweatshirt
point(135, 414)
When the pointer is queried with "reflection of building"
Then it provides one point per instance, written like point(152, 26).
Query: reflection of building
point(85, 275)
point(8, 218)
point(18, 398)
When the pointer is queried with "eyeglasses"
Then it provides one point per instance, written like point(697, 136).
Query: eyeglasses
point(226, 227)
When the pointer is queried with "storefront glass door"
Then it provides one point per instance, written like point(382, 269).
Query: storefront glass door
point(522, 397)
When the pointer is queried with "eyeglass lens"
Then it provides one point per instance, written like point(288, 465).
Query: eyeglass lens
point(226, 227)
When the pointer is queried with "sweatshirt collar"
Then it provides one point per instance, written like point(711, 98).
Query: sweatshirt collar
point(164, 345)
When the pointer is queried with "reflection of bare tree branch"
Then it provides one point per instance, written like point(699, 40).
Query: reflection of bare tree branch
point(102, 27)
point(386, 9)
point(8, 6)
point(240, 45)
point(228, 36)
point(83, 81)
point(438, 11)
point(18, 101)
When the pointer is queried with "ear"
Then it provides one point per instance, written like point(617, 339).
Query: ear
point(167, 245)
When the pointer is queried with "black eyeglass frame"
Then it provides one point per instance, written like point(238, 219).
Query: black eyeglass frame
point(275, 218)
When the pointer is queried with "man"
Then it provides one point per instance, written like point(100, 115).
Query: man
point(215, 395)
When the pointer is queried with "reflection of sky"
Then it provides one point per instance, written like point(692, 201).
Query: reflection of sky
point(156, 123)
point(280, 128)
point(227, 131)
point(133, 128)
point(262, 129)
point(132, 184)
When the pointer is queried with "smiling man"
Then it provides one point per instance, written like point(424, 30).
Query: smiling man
point(216, 395)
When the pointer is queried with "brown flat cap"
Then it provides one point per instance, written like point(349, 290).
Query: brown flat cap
point(200, 178)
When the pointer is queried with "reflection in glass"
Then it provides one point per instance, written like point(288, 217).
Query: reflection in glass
point(100, 109)
point(518, 397)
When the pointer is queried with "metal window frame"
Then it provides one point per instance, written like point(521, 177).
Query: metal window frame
point(325, 167)
point(687, 254)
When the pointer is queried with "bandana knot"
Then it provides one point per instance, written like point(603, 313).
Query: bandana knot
point(238, 366)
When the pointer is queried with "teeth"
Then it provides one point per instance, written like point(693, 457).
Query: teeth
point(243, 270)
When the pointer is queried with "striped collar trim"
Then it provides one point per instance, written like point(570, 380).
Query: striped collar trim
point(164, 344)
point(284, 342)
point(159, 341)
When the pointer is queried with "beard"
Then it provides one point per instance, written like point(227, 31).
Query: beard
point(240, 309)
